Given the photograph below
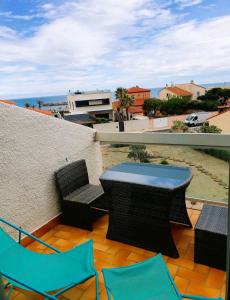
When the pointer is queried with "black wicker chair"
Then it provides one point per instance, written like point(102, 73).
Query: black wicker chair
point(81, 202)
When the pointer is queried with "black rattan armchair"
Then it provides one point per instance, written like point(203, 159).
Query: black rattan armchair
point(81, 202)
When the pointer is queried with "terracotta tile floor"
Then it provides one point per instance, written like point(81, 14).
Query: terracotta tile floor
point(189, 277)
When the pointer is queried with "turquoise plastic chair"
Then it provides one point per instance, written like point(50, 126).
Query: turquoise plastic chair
point(43, 273)
point(147, 280)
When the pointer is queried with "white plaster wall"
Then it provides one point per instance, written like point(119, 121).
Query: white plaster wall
point(32, 147)
point(130, 126)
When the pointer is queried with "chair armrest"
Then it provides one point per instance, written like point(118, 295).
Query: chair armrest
point(20, 230)
point(199, 297)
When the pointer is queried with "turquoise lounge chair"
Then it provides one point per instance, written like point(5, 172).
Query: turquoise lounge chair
point(147, 280)
point(43, 273)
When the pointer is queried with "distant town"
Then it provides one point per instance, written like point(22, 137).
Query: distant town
point(181, 107)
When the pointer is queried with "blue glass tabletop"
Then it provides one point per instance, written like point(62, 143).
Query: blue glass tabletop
point(161, 176)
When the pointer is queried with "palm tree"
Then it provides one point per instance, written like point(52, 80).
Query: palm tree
point(121, 93)
point(125, 100)
point(39, 103)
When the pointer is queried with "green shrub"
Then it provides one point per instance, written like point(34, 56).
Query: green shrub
point(206, 128)
point(101, 120)
point(138, 152)
point(179, 126)
point(218, 153)
point(164, 162)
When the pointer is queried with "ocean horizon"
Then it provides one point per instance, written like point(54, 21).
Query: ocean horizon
point(63, 98)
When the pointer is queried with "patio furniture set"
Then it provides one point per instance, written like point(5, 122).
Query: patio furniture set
point(141, 201)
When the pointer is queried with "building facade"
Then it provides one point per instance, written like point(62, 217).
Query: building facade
point(139, 93)
point(191, 90)
point(98, 104)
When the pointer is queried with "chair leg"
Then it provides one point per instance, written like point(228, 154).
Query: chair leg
point(2, 292)
point(97, 286)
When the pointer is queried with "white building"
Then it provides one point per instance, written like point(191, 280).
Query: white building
point(98, 103)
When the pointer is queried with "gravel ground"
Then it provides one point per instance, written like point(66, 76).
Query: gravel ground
point(210, 174)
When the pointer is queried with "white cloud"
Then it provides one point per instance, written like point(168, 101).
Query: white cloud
point(10, 15)
point(188, 3)
point(90, 44)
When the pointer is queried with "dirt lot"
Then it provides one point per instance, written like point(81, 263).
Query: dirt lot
point(210, 175)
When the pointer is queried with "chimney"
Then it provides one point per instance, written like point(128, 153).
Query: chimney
point(172, 84)
point(166, 85)
point(192, 81)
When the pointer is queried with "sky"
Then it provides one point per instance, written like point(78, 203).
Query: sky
point(51, 47)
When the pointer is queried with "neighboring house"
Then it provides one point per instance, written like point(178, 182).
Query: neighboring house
point(41, 111)
point(82, 119)
point(8, 102)
point(98, 104)
point(173, 91)
point(222, 121)
point(186, 89)
point(139, 93)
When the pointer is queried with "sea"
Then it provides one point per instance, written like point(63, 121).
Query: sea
point(63, 98)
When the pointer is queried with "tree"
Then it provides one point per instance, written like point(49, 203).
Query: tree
point(206, 128)
point(120, 93)
point(39, 103)
point(151, 105)
point(179, 126)
point(138, 152)
point(175, 105)
point(216, 94)
point(27, 105)
point(125, 100)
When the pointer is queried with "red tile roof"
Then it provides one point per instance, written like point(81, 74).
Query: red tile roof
point(8, 102)
point(137, 89)
point(178, 91)
point(42, 111)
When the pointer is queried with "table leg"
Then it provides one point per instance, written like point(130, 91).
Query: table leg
point(178, 211)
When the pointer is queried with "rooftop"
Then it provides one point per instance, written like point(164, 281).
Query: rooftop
point(31, 200)
point(41, 111)
point(178, 91)
point(8, 102)
point(137, 89)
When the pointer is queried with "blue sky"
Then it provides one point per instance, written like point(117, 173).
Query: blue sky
point(49, 47)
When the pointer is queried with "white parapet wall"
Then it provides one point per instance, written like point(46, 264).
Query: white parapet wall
point(32, 147)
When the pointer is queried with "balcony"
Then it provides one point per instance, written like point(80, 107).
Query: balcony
point(29, 197)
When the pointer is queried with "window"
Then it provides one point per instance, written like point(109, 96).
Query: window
point(83, 103)
point(96, 102)
point(198, 94)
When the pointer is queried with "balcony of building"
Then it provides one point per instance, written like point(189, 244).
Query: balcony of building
point(34, 146)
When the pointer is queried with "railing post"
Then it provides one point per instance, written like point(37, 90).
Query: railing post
point(228, 243)
point(2, 292)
